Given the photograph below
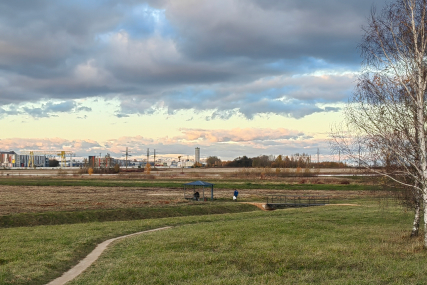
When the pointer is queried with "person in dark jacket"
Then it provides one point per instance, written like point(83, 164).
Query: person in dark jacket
point(235, 195)
point(196, 196)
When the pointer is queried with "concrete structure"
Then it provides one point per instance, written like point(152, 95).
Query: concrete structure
point(197, 156)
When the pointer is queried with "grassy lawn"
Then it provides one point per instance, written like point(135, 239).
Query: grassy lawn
point(36, 255)
point(158, 183)
point(323, 245)
point(329, 245)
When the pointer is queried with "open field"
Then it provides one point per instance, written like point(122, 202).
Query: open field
point(212, 172)
point(310, 183)
point(97, 197)
point(325, 245)
point(34, 199)
point(330, 244)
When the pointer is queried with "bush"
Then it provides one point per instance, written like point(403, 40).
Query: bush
point(116, 168)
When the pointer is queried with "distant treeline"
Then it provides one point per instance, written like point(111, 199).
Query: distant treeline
point(293, 161)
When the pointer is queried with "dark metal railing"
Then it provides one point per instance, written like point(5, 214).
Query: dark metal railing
point(297, 200)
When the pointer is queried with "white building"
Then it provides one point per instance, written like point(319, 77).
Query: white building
point(197, 156)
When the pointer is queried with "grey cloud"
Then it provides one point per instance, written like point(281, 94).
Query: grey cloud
point(11, 111)
point(50, 109)
point(295, 109)
point(270, 29)
point(76, 49)
point(84, 109)
point(332, 109)
point(222, 114)
point(36, 112)
point(122, 115)
point(288, 96)
point(59, 107)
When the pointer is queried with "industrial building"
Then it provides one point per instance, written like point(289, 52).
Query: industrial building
point(39, 161)
point(40, 158)
point(9, 159)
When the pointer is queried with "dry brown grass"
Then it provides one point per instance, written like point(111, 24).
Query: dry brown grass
point(26, 199)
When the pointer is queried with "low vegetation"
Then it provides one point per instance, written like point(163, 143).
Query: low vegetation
point(49, 223)
point(126, 214)
point(295, 184)
point(325, 245)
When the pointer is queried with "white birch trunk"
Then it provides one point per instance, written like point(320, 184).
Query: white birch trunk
point(416, 224)
point(425, 219)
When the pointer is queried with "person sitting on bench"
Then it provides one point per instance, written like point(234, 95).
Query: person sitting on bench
point(196, 196)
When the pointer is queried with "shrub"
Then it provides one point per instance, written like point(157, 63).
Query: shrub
point(116, 168)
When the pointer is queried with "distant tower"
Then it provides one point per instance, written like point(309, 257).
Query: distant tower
point(197, 155)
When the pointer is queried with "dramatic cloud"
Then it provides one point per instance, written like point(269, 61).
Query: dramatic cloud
point(223, 68)
point(229, 56)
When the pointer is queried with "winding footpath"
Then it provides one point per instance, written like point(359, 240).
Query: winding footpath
point(91, 258)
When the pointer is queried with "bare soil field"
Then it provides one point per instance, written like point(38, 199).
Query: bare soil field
point(33, 199)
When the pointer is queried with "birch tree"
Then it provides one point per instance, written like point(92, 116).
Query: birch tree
point(386, 118)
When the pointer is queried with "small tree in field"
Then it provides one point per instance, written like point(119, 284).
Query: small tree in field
point(387, 117)
point(147, 168)
point(197, 165)
point(116, 168)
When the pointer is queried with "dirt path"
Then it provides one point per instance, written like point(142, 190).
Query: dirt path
point(91, 258)
point(262, 206)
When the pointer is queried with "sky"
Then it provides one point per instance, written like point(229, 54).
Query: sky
point(233, 77)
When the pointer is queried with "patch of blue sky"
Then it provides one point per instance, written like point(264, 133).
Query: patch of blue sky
point(306, 65)
point(314, 101)
point(143, 21)
point(86, 4)
point(139, 22)
point(193, 95)
point(294, 108)
point(271, 93)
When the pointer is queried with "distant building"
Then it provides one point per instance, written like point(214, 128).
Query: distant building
point(8, 159)
point(197, 156)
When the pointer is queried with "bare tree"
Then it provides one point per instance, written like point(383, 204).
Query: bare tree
point(386, 119)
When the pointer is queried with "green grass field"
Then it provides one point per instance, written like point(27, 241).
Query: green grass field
point(158, 183)
point(125, 214)
point(324, 245)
